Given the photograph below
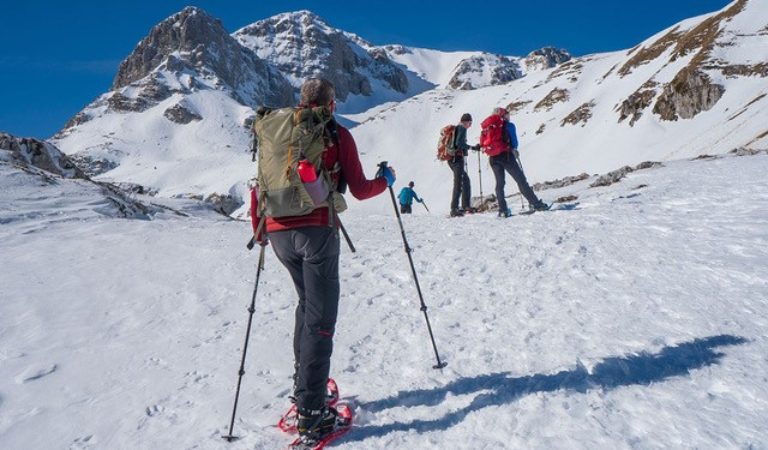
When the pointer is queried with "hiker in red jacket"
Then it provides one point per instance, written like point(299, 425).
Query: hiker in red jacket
point(500, 143)
point(309, 248)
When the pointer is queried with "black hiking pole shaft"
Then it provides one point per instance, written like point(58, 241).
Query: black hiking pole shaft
point(520, 164)
point(346, 236)
point(425, 205)
point(230, 437)
point(440, 364)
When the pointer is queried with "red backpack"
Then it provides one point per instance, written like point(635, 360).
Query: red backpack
point(494, 137)
point(446, 147)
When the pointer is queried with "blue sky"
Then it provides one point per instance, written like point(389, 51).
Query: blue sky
point(56, 57)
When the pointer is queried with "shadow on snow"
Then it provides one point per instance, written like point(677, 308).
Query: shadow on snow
point(641, 369)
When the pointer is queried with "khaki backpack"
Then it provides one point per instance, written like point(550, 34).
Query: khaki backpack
point(285, 137)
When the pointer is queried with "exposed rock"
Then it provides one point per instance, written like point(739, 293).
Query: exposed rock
point(617, 175)
point(545, 58)
point(745, 151)
point(302, 45)
point(181, 114)
point(78, 119)
point(134, 188)
point(541, 128)
point(647, 54)
point(191, 39)
point(567, 198)
point(582, 114)
point(225, 204)
point(91, 166)
point(612, 177)
point(634, 105)
point(688, 94)
point(559, 183)
point(41, 155)
point(744, 70)
point(572, 68)
point(484, 70)
point(555, 96)
point(514, 107)
point(121, 103)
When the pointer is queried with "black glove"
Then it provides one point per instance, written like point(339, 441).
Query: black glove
point(476, 147)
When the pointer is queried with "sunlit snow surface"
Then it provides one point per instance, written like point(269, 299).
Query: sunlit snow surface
point(635, 320)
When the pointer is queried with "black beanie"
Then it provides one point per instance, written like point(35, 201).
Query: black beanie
point(466, 117)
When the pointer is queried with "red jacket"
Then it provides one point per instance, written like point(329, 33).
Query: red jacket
point(351, 171)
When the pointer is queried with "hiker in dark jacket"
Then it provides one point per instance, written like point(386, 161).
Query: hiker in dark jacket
point(309, 248)
point(461, 186)
point(508, 161)
point(407, 196)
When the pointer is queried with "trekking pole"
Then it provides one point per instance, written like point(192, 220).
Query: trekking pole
point(480, 176)
point(425, 204)
point(408, 250)
point(520, 164)
point(230, 437)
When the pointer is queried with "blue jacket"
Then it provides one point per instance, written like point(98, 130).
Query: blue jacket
point(407, 195)
point(512, 135)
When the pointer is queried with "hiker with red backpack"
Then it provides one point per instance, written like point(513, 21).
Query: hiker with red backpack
point(452, 148)
point(303, 229)
point(499, 141)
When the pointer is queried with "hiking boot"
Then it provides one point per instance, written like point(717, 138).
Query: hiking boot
point(506, 213)
point(457, 213)
point(541, 206)
point(315, 424)
point(470, 210)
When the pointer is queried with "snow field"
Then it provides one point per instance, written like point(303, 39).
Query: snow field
point(636, 320)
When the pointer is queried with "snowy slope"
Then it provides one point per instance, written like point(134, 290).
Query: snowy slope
point(699, 87)
point(568, 118)
point(636, 320)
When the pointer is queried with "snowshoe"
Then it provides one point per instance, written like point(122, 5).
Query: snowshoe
point(287, 422)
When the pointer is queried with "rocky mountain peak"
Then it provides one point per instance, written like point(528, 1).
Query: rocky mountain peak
point(484, 70)
point(189, 31)
point(546, 57)
point(303, 45)
point(193, 42)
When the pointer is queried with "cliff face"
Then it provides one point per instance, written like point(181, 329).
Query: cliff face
point(301, 45)
point(192, 41)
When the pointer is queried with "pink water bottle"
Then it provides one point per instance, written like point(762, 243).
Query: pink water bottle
point(306, 171)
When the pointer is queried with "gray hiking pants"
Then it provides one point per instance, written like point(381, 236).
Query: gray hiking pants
point(507, 162)
point(311, 255)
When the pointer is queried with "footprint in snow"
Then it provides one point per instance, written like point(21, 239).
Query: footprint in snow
point(154, 410)
point(35, 373)
point(83, 442)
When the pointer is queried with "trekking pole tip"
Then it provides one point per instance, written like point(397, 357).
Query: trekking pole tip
point(230, 438)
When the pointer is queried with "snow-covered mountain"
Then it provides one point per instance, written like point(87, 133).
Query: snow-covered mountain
point(696, 88)
point(302, 45)
point(700, 87)
point(632, 317)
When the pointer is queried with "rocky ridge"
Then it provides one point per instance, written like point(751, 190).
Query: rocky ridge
point(301, 45)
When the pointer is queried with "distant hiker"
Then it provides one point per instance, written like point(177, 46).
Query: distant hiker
point(499, 141)
point(407, 196)
point(453, 148)
point(307, 243)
